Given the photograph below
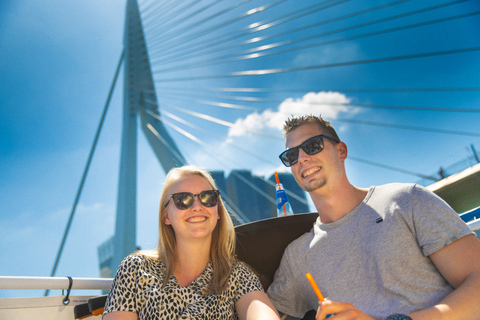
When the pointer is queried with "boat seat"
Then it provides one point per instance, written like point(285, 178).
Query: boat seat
point(261, 244)
point(93, 307)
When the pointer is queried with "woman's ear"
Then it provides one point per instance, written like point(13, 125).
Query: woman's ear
point(166, 221)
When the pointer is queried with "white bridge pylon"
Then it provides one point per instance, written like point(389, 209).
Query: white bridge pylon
point(139, 100)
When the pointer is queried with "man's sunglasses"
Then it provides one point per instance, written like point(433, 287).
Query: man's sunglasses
point(184, 200)
point(311, 146)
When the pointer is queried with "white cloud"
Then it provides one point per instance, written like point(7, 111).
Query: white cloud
point(327, 104)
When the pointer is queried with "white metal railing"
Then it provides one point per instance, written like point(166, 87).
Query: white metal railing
point(48, 283)
point(474, 224)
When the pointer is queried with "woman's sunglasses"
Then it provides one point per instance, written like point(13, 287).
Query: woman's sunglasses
point(184, 200)
point(310, 146)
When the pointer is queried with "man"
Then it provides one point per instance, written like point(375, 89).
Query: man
point(388, 252)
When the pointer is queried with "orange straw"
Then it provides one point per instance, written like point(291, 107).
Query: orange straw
point(315, 287)
point(278, 182)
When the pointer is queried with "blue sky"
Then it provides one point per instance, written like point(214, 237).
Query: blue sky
point(57, 61)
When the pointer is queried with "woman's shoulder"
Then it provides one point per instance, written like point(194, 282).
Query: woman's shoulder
point(139, 257)
point(245, 277)
point(141, 260)
point(239, 264)
point(241, 268)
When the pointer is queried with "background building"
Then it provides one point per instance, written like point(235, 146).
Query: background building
point(253, 197)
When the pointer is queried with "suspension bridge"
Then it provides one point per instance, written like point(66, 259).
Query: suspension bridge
point(211, 83)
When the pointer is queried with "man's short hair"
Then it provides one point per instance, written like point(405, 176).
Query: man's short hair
point(294, 122)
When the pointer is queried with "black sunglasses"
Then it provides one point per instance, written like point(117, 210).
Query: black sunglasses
point(184, 200)
point(311, 146)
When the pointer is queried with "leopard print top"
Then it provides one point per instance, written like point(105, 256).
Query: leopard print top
point(137, 288)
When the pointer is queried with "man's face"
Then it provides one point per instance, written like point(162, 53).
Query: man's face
point(312, 171)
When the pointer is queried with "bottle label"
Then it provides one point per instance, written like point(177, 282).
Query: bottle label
point(281, 198)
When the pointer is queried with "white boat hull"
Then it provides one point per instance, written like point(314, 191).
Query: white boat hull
point(42, 308)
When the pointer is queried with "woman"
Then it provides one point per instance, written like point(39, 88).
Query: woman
point(193, 274)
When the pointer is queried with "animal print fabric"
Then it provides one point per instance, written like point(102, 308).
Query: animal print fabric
point(137, 288)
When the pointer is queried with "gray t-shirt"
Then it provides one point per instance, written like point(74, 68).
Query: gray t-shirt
point(376, 257)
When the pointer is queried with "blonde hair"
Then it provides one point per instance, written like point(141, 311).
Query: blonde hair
point(222, 249)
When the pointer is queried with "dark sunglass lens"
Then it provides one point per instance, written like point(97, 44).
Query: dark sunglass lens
point(289, 157)
point(285, 161)
point(183, 200)
point(313, 145)
point(208, 198)
point(292, 156)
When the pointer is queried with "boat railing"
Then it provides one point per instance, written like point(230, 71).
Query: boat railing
point(54, 283)
point(61, 307)
point(474, 225)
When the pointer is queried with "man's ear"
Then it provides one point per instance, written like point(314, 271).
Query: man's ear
point(342, 150)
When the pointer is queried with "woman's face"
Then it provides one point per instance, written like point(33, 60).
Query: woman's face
point(198, 221)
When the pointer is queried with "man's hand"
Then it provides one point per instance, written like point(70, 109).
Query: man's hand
point(340, 311)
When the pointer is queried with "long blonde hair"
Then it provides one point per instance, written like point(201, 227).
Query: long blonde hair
point(222, 249)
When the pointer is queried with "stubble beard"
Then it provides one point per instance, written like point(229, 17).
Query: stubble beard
point(315, 185)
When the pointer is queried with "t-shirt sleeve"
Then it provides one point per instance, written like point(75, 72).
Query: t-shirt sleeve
point(436, 223)
point(246, 280)
point(122, 296)
point(284, 291)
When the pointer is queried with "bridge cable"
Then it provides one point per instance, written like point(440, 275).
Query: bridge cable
point(82, 182)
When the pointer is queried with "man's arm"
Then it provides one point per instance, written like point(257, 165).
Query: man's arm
point(459, 263)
